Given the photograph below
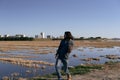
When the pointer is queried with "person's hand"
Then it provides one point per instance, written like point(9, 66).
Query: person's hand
point(56, 56)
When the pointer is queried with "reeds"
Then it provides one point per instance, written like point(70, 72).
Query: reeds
point(26, 63)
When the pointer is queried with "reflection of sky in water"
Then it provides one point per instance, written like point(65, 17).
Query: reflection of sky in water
point(6, 68)
point(93, 53)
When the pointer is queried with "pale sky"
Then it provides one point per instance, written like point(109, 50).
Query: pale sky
point(84, 18)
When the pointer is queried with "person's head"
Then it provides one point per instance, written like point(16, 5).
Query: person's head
point(68, 35)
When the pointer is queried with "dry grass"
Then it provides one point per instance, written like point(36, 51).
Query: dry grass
point(18, 45)
point(26, 63)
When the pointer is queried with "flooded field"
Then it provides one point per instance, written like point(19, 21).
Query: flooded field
point(27, 62)
point(25, 59)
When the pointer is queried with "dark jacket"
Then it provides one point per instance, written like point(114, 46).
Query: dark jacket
point(64, 49)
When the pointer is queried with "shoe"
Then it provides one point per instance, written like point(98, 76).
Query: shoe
point(69, 77)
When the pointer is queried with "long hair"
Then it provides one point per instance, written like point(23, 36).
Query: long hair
point(68, 35)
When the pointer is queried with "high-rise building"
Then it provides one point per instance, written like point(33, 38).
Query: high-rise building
point(42, 34)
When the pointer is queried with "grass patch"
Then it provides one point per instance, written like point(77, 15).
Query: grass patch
point(84, 69)
point(74, 71)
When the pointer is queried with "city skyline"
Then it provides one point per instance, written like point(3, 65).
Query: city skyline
point(42, 35)
point(84, 18)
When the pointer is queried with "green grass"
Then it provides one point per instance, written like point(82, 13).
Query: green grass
point(78, 70)
point(83, 69)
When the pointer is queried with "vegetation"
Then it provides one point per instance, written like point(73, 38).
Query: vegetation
point(74, 71)
point(81, 38)
point(16, 39)
point(90, 38)
point(42, 39)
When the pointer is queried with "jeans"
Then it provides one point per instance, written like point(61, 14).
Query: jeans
point(58, 68)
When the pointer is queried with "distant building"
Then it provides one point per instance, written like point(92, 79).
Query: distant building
point(42, 35)
point(7, 35)
point(36, 36)
point(49, 37)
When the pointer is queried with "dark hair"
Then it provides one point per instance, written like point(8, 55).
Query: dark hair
point(68, 35)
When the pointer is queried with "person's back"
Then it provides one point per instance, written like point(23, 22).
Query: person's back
point(65, 48)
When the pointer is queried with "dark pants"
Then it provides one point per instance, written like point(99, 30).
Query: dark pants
point(58, 68)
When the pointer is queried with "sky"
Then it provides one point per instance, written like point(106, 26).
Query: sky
point(84, 18)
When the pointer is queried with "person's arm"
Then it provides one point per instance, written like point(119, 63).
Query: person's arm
point(57, 51)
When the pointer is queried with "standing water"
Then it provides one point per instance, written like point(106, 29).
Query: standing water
point(15, 63)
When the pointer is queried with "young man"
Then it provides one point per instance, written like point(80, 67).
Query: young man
point(62, 55)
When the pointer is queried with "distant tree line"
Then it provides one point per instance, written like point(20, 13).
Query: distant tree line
point(81, 38)
point(90, 38)
point(16, 38)
point(31, 38)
